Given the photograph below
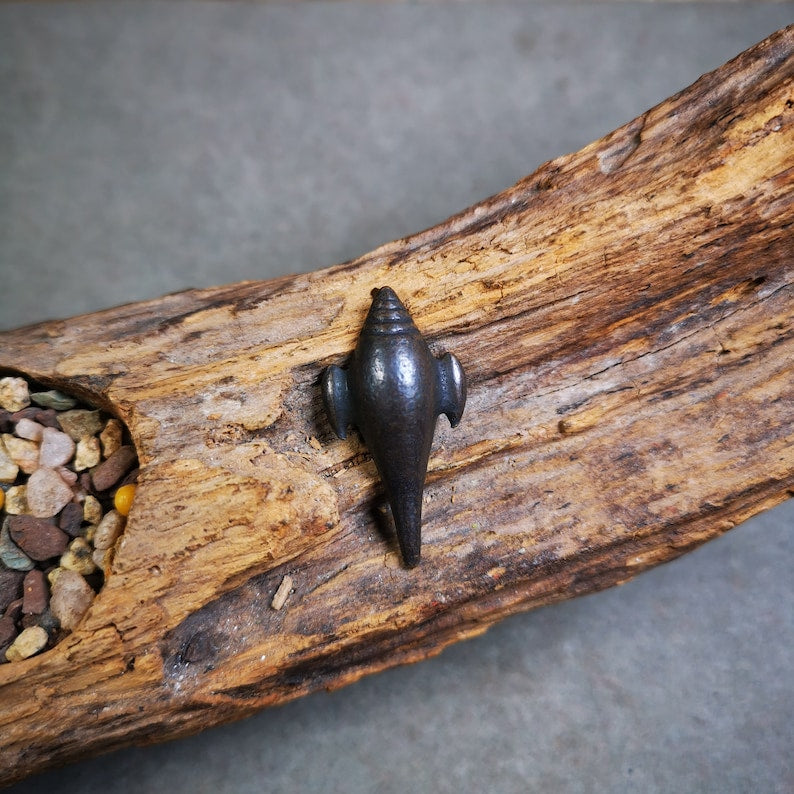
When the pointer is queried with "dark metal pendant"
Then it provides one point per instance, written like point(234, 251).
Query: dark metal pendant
point(393, 392)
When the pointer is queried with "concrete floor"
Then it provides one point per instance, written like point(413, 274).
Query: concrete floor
point(148, 148)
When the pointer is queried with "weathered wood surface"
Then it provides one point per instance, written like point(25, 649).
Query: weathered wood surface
point(625, 318)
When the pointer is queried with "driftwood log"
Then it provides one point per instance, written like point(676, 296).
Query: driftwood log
point(625, 318)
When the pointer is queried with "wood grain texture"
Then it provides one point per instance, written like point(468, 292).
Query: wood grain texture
point(624, 316)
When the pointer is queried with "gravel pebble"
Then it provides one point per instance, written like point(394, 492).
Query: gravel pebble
point(8, 469)
point(35, 595)
point(80, 423)
point(53, 399)
point(10, 587)
point(110, 471)
point(38, 538)
point(14, 394)
point(8, 631)
point(47, 493)
point(24, 453)
point(71, 597)
point(47, 418)
point(10, 554)
point(14, 609)
point(25, 413)
point(6, 422)
point(56, 448)
point(124, 498)
point(70, 519)
point(78, 557)
point(92, 510)
point(67, 475)
point(27, 428)
point(88, 453)
point(17, 500)
point(103, 559)
point(28, 643)
point(111, 437)
point(49, 622)
point(109, 529)
point(86, 486)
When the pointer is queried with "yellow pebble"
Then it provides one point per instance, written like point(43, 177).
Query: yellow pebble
point(2, 497)
point(122, 501)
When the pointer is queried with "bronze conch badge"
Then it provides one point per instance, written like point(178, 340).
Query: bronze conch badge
point(393, 391)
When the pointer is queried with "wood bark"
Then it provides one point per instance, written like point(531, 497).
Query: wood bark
point(625, 319)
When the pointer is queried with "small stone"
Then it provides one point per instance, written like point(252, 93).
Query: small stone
point(24, 453)
point(109, 529)
point(88, 453)
point(103, 559)
point(80, 423)
point(78, 493)
point(86, 486)
point(26, 621)
point(49, 622)
point(123, 499)
point(29, 642)
point(7, 631)
point(47, 418)
point(24, 413)
point(78, 557)
point(67, 475)
point(71, 597)
point(27, 428)
point(14, 394)
point(92, 510)
point(52, 576)
point(37, 537)
point(6, 422)
point(35, 595)
point(10, 554)
point(17, 500)
point(14, 610)
point(47, 493)
point(10, 587)
point(111, 437)
point(53, 399)
point(8, 469)
point(110, 471)
point(70, 519)
point(89, 532)
point(56, 448)
point(131, 478)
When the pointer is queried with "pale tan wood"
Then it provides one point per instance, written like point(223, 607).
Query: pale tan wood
point(625, 318)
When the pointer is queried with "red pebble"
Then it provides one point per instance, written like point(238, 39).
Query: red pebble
point(7, 631)
point(25, 413)
point(110, 471)
point(10, 587)
point(14, 610)
point(48, 418)
point(85, 483)
point(70, 519)
point(37, 537)
point(35, 597)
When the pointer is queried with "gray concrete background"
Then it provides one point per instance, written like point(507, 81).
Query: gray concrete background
point(148, 148)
